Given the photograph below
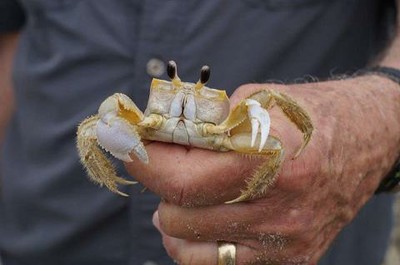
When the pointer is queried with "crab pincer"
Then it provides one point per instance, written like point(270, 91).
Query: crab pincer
point(260, 122)
point(115, 133)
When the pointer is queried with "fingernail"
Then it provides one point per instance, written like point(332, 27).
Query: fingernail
point(156, 220)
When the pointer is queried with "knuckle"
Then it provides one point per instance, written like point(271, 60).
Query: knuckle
point(300, 222)
point(300, 175)
point(182, 254)
point(172, 223)
point(175, 193)
point(166, 225)
point(186, 191)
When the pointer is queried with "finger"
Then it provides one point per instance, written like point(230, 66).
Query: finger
point(193, 177)
point(234, 223)
point(206, 252)
point(189, 252)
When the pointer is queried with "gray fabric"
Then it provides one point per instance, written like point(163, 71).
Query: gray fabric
point(11, 16)
point(75, 53)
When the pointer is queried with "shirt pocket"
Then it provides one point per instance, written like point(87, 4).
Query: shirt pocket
point(283, 4)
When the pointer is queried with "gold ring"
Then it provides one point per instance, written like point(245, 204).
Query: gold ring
point(226, 253)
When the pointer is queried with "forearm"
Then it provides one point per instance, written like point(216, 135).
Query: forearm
point(8, 45)
point(390, 90)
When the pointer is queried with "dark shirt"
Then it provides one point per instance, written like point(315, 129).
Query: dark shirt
point(12, 17)
point(75, 53)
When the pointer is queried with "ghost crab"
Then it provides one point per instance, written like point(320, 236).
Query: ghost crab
point(187, 114)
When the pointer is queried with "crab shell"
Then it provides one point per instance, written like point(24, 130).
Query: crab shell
point(186, 110)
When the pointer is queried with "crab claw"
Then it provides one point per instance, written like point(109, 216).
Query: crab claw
point(119, 138)
point(260, 122)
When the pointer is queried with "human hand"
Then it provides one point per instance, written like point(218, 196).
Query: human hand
point(314, 196)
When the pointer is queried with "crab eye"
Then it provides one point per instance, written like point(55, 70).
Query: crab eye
point(205, 74)
point(171, 69)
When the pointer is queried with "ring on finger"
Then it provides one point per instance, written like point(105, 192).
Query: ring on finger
point(226, 253)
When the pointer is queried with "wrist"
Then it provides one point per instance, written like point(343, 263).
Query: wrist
point(391, 181)
point(367, 128)
point(389, 73)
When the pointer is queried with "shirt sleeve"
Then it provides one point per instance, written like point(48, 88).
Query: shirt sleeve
point(12, 16)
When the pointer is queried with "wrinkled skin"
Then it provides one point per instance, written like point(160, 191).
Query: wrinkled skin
point(356, 140)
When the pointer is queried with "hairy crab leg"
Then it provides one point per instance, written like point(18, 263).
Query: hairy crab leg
point(263, 177)
point(114, 129)
point(97, 165)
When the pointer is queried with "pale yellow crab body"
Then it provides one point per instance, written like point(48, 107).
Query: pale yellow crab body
point(187, 114)
point(184, 113)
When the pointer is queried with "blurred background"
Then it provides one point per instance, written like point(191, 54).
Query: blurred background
point(393, 254)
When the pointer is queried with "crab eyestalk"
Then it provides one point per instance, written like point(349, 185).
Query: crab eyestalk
point(205, 74)
point(172, 71)
point(204, 77)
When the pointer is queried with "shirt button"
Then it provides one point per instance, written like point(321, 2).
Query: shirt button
point(155, 67)
point(149, 262)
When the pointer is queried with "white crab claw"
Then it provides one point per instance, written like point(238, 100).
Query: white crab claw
point(254, 131)
point(120, 138)
point(260, 122)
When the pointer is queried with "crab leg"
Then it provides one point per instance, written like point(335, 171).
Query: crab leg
point(98, 167)
point(262, 178)
point(114, 129)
